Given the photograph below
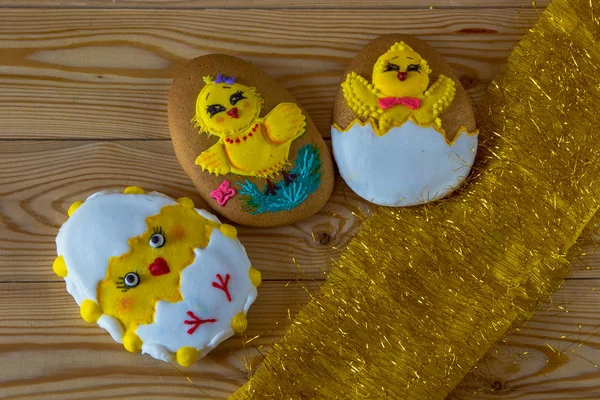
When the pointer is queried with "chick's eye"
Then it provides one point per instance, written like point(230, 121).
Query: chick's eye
point(391, 67)
point(413, 67)
point(131, 280)
point(214, 109)
point(237, 96)
point(157, 240)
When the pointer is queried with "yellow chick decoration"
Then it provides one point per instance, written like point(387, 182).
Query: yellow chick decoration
point(409, 136)
point(161, 276)
point(248, 144)
point(399, 91)
point(158, 266)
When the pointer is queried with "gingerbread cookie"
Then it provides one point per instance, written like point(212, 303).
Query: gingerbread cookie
point(403, 130)
point(252, 152)
point(159, 275)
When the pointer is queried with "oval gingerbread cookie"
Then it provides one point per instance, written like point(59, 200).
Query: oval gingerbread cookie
point(161, 276)
point(252, 152)
point(403, 130)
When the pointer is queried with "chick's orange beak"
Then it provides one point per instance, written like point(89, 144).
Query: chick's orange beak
point(402, 76)
point(159, 267)
point(233, 113)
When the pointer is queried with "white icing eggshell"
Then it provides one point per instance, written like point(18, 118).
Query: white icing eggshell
point(408, 165)
point(222, 256)
point(101, 228)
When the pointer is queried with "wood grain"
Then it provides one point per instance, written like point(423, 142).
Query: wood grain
point(83, 89)
point(554, 356)
point(275, 4)
point(102, 73)
point(51, 353)
point(40, 179)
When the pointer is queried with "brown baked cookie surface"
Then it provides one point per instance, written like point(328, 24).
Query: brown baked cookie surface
point(251, 150)
point(403, 130)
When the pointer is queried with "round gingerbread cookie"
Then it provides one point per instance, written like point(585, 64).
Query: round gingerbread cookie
point(161, 276)
point(403, 130)
point(251, 150)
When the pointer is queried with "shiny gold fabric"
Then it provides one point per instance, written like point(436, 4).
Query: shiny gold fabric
point(423, 292)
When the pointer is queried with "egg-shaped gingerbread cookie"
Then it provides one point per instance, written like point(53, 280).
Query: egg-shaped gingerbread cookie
point(251, 150)
point(403, 130)
point(161, 276)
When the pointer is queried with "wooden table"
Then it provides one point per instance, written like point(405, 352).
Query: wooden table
point(83, 100)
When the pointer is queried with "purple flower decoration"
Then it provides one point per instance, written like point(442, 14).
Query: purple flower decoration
point(230, 80)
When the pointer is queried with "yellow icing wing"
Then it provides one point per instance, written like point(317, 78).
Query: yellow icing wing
point(284, 123)
point(360, 96)
point(436, 100)
point(214, 160)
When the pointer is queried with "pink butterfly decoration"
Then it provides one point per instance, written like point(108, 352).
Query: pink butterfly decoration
point(223, 193)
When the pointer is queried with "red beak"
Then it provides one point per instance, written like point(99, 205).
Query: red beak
point(233, 113)
point(159, 267)
point(402, 76)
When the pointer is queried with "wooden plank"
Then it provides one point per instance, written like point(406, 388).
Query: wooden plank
point(587, 266)
point(101, 73)
point(277, 4)
point(49, 352)
point(555, 356)
point(40, 179)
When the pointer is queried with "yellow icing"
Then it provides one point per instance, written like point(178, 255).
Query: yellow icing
point(220, 94)
point(248, 145)
point(132, 342)
point(228, 230)
point(239, 323)
point(184, 230)
point(73, 207)
point(133, 190)
point(60, 267)
point(375, 128)
point(90, 311)
point(255, 276)
point(186, 356)
point(387, 83)
point(363, 97)
point(186, 202)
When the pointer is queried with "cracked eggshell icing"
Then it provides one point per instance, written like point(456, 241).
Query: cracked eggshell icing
point(181, 302)
point(407, 166)
point(403, 130)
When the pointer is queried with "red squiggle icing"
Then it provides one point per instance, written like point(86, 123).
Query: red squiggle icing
point(196, 322)
point(222, 285)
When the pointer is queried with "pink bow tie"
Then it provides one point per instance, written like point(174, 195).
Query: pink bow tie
point(388, 102)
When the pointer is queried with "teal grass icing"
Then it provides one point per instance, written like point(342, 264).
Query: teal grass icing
point(289, 192)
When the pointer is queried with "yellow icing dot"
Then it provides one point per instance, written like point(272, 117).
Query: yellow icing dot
point(228, 230)
point(60, 267)
point(133, 190)
point(255, 276)
point(186, 202)
point(187, 356)
point(239, 323)
point(74, 207)
point(132, 342)
point(90, 311)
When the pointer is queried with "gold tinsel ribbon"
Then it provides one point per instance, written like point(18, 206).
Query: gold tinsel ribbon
point(422, 293)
